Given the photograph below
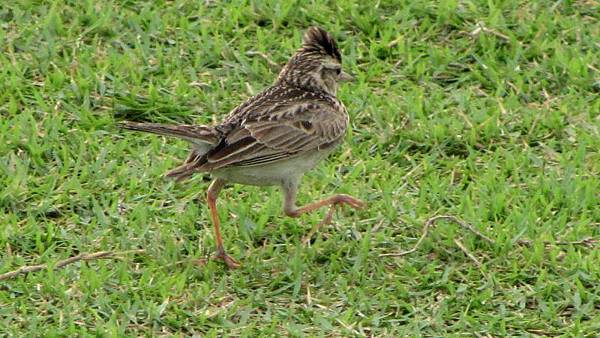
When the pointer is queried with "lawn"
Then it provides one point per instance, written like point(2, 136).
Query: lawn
point(485, 111)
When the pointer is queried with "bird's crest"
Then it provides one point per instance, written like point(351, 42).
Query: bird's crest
point(317, 40)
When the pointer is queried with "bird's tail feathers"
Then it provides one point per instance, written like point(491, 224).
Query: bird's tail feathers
point(191, 165)
point(191, 133)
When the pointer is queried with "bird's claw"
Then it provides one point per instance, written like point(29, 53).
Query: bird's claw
point(351, 201)
point(228, 260)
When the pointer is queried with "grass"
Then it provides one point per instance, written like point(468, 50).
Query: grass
point(484, 110)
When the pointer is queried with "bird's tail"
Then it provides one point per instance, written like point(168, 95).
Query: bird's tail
point(191, 165)
point(194, 134)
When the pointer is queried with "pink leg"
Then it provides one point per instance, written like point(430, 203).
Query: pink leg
point(213, 193)
point(290, 190)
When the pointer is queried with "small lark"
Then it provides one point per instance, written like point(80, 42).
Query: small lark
point(274, 137)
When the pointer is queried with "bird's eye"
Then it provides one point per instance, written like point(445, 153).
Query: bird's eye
point(338, 71)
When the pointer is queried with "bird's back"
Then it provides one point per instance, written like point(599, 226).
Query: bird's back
point(280, 123)
point(276, 100)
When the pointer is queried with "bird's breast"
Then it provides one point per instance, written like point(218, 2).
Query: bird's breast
point(274, 173)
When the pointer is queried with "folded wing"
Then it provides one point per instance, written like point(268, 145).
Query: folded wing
point(279, 135)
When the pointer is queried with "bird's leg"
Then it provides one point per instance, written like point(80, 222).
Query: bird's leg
point(212, 194)
point(290, 189)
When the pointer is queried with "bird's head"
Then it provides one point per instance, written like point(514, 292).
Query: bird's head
point(317, 65)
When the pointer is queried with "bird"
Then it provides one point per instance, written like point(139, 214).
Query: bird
point(274, 137)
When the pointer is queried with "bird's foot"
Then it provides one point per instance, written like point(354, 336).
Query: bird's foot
point(228, 260)
point(351, 201)
point(338, 200)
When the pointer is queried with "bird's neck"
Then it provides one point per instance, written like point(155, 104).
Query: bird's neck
point(308, 83)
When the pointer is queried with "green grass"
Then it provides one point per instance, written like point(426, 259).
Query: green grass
point(485, 110)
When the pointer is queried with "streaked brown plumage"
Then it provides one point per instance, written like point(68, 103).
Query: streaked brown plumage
point(274, 137)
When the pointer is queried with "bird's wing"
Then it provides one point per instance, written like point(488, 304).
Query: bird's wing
point(283, 132)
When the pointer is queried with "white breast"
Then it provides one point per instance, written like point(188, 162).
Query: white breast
point(272, 173)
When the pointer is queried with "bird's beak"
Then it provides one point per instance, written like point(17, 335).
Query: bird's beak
point(345, 77)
